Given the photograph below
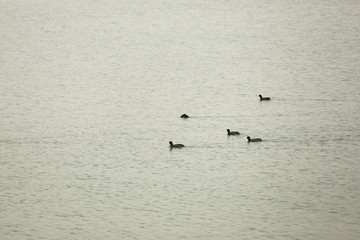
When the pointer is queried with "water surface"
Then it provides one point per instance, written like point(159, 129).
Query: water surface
point(92, 91)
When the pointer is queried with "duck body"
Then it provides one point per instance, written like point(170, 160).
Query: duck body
point(184, 116)
point(253, 139)
point(264, 98)
point(178, 145)
point(229, 133)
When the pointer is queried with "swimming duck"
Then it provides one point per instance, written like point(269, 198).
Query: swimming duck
point(172, 145)
point(264, 98)
point(232, 132)
point(254, 139)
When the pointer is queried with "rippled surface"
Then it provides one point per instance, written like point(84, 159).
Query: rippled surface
point(91, 93)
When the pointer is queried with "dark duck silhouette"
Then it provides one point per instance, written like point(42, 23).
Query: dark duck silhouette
point(253, 139)
point(232, 132)
point(178, 145)
point(264, 98)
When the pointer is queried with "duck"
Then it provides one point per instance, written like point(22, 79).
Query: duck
point(264, 98)
point(178, 145)
point(232, 132)
point(254, 139)
point(184, 116)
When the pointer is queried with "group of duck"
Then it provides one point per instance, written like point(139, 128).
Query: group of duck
point(229, 133)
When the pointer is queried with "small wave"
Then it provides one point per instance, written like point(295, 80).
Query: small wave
point(309, 99)
point(217, 116)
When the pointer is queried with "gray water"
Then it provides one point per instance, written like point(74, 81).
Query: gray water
point(91, 92)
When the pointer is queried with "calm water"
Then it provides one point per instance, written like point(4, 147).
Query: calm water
point(91, 93)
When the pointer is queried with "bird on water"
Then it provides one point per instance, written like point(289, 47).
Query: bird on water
point(264, 98)
point(178, 145)
point(253, 139)
point(232, 132)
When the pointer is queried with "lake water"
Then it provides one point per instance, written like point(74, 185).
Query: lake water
point(91, 92)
